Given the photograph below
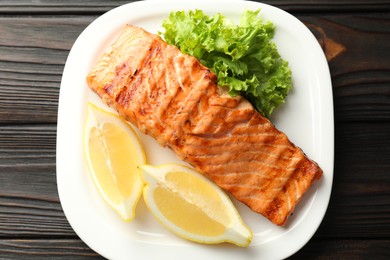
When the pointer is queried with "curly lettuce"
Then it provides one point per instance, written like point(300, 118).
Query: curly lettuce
point(243, 56)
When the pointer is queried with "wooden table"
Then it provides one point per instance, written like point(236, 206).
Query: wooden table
point(35, 39)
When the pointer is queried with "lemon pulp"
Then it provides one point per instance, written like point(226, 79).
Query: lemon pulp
point(186, 206)
point(113, 156)
point(192, 206)
point(113, 153)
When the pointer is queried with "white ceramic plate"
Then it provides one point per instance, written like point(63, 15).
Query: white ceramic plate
point(307, 118)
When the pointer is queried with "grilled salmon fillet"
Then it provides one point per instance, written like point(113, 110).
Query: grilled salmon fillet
point(175, 99)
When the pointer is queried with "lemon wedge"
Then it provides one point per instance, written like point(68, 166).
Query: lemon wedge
point(192, 206)
point(113, 152)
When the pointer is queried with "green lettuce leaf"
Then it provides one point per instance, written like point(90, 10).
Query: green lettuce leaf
point(243, 56)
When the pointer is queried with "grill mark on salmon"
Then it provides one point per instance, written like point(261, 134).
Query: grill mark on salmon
point(247, 155)
point(241, 143)
point(175, 99)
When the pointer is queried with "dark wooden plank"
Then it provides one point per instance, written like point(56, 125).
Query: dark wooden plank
point(46, 249)
point(344, 249)
point(24, 145)
point(73, 6)
point(360, 202)
point(76, 249)
point(33, 52)
point(36, 216)
point(358, 50)
point(27, 161)
point(29, 203)
point(54, 33)
point(59, 6)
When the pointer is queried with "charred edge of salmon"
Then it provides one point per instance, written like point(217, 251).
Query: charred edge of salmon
point(272, 212)
point(119, 77)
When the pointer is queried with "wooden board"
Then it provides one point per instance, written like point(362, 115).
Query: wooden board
point(35, 39)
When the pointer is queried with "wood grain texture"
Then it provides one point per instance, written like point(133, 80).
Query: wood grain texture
point(35, 39)
point(46, 249)
point(76, 249)
point(344, 249)
point(361, 69)
point(33, 52)
point(360, 202)
point(29, 203)
point(93, 6)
